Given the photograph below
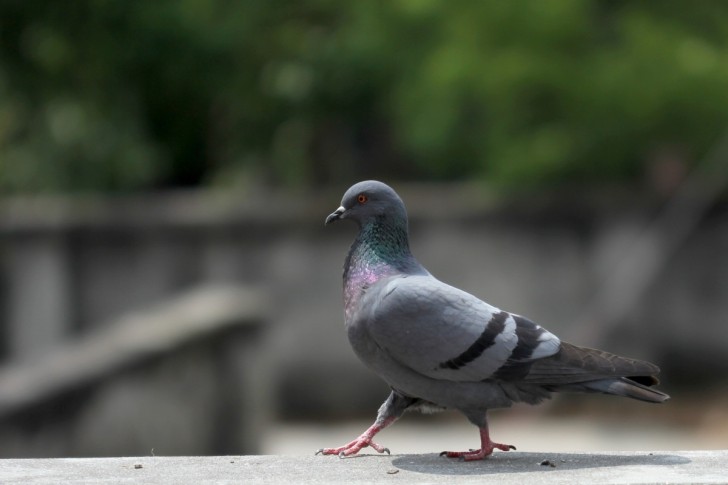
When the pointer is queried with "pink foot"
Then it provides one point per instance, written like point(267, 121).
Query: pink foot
point(477, 454)
point(355, 446)
point(486, 449)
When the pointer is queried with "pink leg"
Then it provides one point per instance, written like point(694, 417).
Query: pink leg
point(361, 442)
point(486, 448)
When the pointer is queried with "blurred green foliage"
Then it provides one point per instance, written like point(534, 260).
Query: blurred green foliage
point(126, 95)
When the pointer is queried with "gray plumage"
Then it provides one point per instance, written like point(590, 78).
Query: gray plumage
point(440, 347)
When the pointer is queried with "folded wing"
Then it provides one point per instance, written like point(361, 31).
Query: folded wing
point(445, 333)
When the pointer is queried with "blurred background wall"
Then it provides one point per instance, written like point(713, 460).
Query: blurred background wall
point(161, 162)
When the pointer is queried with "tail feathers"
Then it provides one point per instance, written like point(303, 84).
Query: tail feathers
point(621, 386)
point(573, 364)
point(580, 369)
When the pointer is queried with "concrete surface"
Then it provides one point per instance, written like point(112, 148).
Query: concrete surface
point(503, 468)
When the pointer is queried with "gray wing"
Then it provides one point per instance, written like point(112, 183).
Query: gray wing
point(445, 333)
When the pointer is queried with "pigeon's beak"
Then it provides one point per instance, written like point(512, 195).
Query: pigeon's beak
point(335, 216)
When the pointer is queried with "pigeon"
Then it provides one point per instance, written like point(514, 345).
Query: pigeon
point(438, 347)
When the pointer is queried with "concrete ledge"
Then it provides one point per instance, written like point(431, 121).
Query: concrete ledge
point(504, 468)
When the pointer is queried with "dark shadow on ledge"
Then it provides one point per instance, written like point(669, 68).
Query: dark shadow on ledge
point(519, 462)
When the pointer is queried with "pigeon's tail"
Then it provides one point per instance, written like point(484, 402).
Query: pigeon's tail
point(580, 369)
point(621, 386)
point(626, 387)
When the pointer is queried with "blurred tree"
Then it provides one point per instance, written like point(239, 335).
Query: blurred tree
point(123, 95)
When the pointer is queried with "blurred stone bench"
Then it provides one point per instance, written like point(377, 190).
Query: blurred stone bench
point(187, 376)
point(515, 468)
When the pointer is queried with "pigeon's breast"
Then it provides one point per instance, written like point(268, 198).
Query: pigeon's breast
point(358, 280)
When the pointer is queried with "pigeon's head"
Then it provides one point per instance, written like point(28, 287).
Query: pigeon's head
point(369, 200)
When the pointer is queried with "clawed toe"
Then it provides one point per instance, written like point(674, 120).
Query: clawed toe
point(362, 441)
point(477, 454)
point(467, 455)
point(353, 448)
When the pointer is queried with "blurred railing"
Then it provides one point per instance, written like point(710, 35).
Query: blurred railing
point(73, 264)
point(187, 376)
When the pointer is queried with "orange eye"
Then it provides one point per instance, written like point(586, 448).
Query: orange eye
point(362, 199)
